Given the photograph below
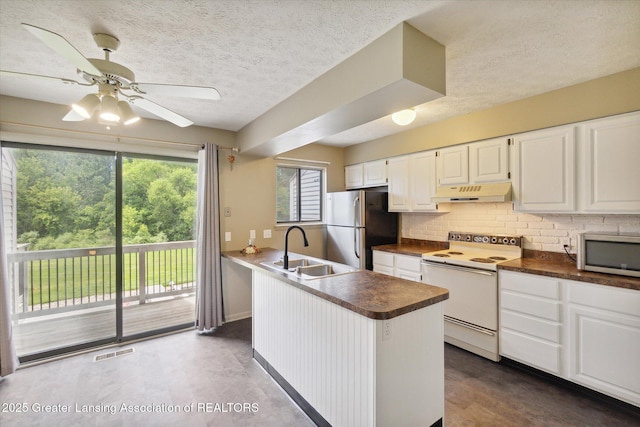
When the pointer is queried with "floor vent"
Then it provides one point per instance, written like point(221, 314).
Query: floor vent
point(113, 354)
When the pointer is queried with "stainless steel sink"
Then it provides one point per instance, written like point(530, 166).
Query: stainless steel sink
point(301, 262)
point(316, 270)
point(310, 268)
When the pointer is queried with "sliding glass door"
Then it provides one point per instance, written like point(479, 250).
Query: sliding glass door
point(60, 228)
point(100, 246)
point(158, 228)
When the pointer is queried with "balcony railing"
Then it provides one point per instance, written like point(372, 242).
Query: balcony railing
point(67, 279)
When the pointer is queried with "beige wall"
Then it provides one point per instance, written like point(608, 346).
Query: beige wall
point(249, 190)
point(606, 96)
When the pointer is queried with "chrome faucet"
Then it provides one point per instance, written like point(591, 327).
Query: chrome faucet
point(285, 258)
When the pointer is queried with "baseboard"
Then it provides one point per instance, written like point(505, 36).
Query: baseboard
point(237, 316)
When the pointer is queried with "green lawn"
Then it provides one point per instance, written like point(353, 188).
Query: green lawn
point(86, 277)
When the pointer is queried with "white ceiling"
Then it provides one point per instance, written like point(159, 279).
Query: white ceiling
point(259, 52)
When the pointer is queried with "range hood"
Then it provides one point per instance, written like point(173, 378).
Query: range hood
point(491, 192)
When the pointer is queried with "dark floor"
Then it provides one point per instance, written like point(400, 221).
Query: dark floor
point(187, 368)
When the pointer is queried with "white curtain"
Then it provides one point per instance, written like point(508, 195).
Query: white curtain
point(8, 359)
point(209, 308)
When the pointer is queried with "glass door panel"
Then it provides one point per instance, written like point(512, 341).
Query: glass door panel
point(158, 229)
point(59, 218)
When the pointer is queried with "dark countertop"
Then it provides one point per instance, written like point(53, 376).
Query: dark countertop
point(373, 295)
point(549, 264)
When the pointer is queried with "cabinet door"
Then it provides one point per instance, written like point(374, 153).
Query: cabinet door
point(375, 173)
point(398, 170)
point(489, 160)
point(422, 181)
point(611, 175)
point(544, 170)
point(354, 176)
point(604, 331)
point(453, 165)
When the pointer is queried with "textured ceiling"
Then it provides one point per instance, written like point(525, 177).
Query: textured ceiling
point(258, 53)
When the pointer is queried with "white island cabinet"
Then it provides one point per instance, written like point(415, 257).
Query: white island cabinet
point(352, 370)
point(354, 348)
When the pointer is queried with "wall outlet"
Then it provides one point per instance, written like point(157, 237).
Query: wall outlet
point(252, 234)
point(266, 234)
point(386, 329)
point(227, 236)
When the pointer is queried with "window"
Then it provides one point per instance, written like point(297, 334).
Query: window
point(299, 193)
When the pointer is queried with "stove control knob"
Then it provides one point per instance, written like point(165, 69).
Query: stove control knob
point(485, 239)
point(467, 237)
point(512, 241)
point(494, 239)
point(458, 237)
point(505, 240)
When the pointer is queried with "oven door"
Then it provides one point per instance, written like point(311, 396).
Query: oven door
point(473, 293)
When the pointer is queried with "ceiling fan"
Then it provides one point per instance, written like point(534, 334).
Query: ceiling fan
point(113, 81)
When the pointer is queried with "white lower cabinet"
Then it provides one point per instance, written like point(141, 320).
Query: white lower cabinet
point(604, 339)
point(402, 266)
point(586, 333)
point(530, 320)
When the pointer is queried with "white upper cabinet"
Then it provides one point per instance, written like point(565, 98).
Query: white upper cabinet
point(611, 175)
point(544, 170)
point(489, 160)
point(474, 163)
point(412, 182)
point(354, 176)
point(375, 173)
point(369, 174)
point(453, 165)
point(398, 170)
point(422, 181)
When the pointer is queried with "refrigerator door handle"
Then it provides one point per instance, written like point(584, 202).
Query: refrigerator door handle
point(356, 214)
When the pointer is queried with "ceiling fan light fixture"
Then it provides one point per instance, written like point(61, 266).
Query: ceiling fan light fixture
point(404, 117)
point(86, 106)
point(109, 109)
point(127, 114)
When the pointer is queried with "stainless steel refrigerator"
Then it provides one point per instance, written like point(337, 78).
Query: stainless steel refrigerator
point(357, 220)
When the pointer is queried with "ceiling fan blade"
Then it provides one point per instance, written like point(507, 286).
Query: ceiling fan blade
point(72, 116)
point(37, 77)
point(64, 48)
point(160, 111)
point(198, 92)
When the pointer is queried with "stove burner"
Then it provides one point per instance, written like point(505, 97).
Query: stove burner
point(498, 258)
point(454, 253)
point(441, 255)
point(483, 260)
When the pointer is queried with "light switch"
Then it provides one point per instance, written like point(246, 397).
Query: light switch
point(266, 233)
point(227, 236)
point(252, 234)
point(227, 211)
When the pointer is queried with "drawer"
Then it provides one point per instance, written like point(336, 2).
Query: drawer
point(530, 284)
point(531, 351)
point(406, 262)
point(383, 258)
point(539, 307)
point(619, 300)
point(547, 330)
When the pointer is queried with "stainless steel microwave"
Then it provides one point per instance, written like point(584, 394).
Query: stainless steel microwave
point(614, 253)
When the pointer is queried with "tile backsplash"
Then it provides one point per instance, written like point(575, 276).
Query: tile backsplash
point(543, 232)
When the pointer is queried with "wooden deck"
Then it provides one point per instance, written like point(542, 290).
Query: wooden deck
point(48, 332)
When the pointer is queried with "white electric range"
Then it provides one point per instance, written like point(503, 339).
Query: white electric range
point(468, 270)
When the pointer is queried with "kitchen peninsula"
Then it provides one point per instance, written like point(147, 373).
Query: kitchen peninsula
point(352, 348)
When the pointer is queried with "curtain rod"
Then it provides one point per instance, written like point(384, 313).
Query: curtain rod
point(102, 136)
point(291, 159)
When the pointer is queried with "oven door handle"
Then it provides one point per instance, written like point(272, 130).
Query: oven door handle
point(455, 267)
point(469, 326)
